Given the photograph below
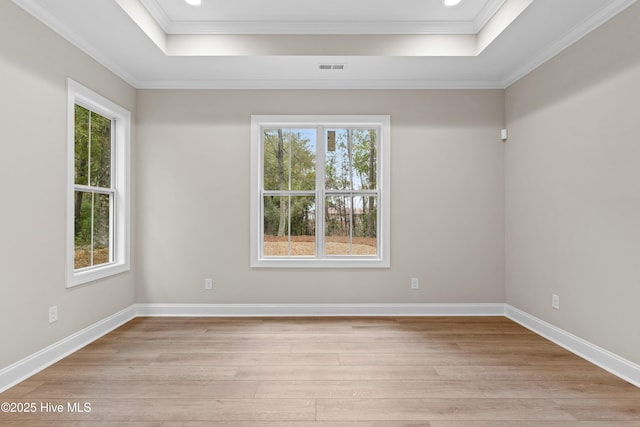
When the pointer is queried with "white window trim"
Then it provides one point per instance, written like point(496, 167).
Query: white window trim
point(79, 94)
point(382, 260)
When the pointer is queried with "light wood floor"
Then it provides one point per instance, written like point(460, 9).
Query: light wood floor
point(439, 372)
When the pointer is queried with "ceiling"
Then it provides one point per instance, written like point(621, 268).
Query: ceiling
point(328, 44)
point(321, 17)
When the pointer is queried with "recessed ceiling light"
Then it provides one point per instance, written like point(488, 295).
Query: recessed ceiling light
point(451, 2)
point(194, 2)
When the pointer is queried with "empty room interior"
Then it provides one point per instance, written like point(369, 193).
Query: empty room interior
point(331, 213)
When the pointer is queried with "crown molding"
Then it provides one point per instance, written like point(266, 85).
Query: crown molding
point(318, 84)
point(35, 10)
point(486, 14)
point(597, 19)
point(158, 13)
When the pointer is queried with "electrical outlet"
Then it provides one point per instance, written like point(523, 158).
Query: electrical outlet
point(53, 313)
point(415, 283)
point(208, 284)
point(555, 301)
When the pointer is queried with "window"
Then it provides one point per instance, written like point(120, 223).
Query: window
point(98, 189)
point(320, 191)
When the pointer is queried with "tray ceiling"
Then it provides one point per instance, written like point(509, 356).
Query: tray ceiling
point(377, 44)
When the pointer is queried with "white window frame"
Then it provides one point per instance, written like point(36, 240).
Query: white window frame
point(78, 94)
point(380, 122)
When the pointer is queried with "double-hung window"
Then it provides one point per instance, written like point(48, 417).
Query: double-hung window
point(320, 191)
point(98, 183)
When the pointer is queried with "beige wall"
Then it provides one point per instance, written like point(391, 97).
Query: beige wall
point(573, 188)
point(34, 65)
point(447, 202)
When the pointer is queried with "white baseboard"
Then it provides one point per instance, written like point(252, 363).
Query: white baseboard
point(31, 365)
point(608, 361)
point(248, 310)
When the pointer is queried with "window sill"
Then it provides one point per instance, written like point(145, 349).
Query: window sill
point(82, 277)
point(311, 263)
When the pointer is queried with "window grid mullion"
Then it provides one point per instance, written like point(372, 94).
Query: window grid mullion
point(89, 149)
point(93, 200)
point(114, 153)
point(90, 189)
point(288, 193)
point(351, 192)
point(320, 178)
point(113, 233)
point(112, 227)
point(351, 225)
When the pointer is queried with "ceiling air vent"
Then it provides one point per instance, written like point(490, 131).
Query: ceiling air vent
point(331, 66)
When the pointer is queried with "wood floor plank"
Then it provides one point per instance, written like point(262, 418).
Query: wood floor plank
point(88, 358)
point(510, 347)
point(246, 359)
point(172, 409)
point(607, 409)
point(522, 373)
point(318, 373)
point(441, 409)
point(136, 373)
point(230, 424)
point(430, 359)
point(333, 424)
point(202, 347)
point(326, 372)
point(535, 424)
point(443, 389)
point(310, 424)
point(131, 389)
point(346, 347)
point(294, 338)
point(224, 424)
